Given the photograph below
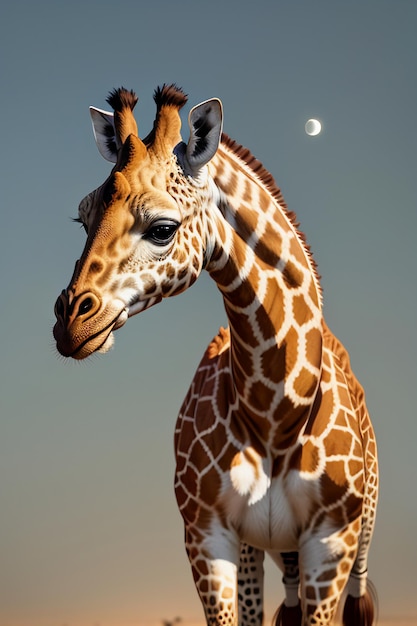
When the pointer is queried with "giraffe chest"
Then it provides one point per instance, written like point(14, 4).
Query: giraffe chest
point(258, 507)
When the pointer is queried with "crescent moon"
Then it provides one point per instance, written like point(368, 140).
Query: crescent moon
point(312, 127)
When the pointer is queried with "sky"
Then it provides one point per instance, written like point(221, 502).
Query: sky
point(89, 529)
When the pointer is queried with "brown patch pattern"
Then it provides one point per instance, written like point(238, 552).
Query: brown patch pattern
point(274, 393)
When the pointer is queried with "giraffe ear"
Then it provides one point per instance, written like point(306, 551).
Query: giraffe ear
point(105, 133)
point(205, 121)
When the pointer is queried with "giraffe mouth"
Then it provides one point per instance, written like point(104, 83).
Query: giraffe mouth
point(133, 309)
point(108, 341)
point(121, 319)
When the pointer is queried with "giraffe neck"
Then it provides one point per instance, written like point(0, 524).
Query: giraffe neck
point(270, 289)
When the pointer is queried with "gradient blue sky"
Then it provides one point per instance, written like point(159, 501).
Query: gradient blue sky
point(89, 530)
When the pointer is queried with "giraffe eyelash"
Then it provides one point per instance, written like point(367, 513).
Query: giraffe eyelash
point(78, 220)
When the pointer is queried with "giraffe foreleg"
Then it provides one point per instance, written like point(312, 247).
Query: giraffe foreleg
point(231, 593)
point(250, 586)
point(325, 563)
point(216, 583)
point(214, 562)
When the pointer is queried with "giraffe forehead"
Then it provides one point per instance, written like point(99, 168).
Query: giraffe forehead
point(143, 194)
point(146, 172)
point(158, 184)
point(154, 203)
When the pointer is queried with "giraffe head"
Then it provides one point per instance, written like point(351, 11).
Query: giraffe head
point(146, 225)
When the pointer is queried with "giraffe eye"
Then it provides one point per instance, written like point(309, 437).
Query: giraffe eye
point(161, 232)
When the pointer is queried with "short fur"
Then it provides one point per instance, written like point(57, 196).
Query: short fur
point(257, 364)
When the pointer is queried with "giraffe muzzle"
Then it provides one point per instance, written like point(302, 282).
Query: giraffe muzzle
point(84, 326)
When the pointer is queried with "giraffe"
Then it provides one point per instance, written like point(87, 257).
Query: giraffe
point(275, 451)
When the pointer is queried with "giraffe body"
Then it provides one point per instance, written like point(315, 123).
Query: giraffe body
point(274, 448)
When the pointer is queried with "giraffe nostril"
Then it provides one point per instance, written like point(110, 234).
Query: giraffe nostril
point(85, 306)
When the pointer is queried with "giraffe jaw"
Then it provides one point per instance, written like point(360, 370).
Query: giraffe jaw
point(127, 312)
point(120, 321)
point(141, 305)
point(134, 309)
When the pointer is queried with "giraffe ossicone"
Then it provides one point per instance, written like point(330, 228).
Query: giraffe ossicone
point(275, 451)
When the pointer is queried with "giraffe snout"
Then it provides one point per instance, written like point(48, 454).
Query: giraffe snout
point(84, 324)
point(60, 330)
point(68, 308)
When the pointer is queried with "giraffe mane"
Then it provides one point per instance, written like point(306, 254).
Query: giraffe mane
point(122, 98)
point(268, 181)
